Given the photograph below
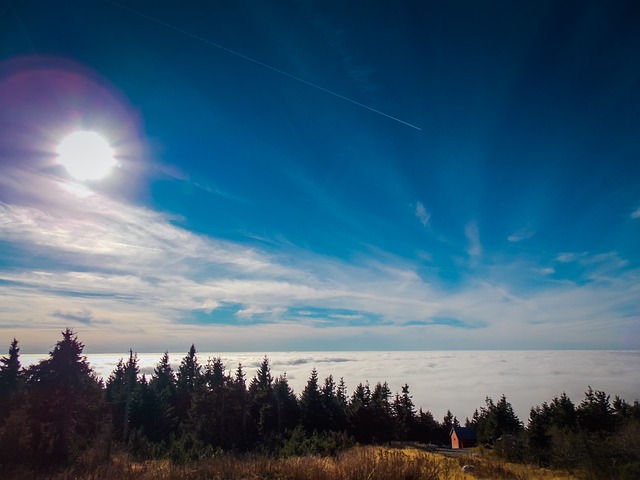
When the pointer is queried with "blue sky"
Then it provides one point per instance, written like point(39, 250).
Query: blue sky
point(253, 208)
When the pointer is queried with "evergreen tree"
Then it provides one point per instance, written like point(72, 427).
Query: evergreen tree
point(426, 427)
point(132, 396)
point(10, 370)
point(563, 413)
point(340, 409)
point(210, 405)
point(474, 419)
point(497, 419)
point(405, 413)
point(288, 409)
point(448, 422)
point(263, 404)
point(143, 415)
point(538, 433)
point(188, 378)
point(163, 378)
point(507, 419)
point(360, 421)
point(64, 402)
point(595, 413)
point(121, 395)
point(15, 427)
point(361, 397)
point(381, 409)
point(160, 401)
point(10, 379)
point(239, 410)
point(115, 394)
point(334, 400)
point(329, 398)
point(312, 406)
point(341, 392)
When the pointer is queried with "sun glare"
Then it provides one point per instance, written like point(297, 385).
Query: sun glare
point(86, 155)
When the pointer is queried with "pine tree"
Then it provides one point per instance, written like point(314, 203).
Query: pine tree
point(405, 413)
point(341, 403)
point(188, 379)
point(382, 411)
point(563, 413)
point(497, 419)
point(312, 408)
point(239, 411)
point(507, 419)
point(474, 419)
point(448, 422)
point(131, 372)
point(10, 370)
point(163, 378)
point(341, 393)
point(115, 394)
point(288, 409)
point(595, 413)
point(538, 433)
point(209, 415)
point(361, 397)
point(122, 396)
point(426, 427)
point(263, 405)
point(160, 401)
point(360, 420)
point(10, 379)
point(334, 401)
point(65, 401)
point(15, 425)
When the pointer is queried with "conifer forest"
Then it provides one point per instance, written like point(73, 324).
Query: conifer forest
point(55, 411)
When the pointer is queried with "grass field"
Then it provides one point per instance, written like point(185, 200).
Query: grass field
point(357, 463)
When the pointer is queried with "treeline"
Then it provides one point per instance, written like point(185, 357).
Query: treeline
point(59, 411)
point(55, 410)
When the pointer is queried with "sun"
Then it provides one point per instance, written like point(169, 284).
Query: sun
point(86, 155)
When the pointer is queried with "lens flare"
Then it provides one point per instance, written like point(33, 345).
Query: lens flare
point(86, 155)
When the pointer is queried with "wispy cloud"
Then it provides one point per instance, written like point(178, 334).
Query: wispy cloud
point(636, 213)
point(592, 266)
point(523, 234)
point(422, 214)
point(545, 270)
point(98, 258)
point(474, 248)
point(566, 257)
point(83, 316)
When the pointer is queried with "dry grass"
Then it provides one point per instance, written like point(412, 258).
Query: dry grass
point(358, 463)
point(486, 467)
point(489, 467)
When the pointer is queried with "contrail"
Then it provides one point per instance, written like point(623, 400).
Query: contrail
point(258, 62)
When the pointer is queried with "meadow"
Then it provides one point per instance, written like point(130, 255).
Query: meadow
point(357, 463)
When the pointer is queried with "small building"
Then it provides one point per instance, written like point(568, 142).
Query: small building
point(463, 437)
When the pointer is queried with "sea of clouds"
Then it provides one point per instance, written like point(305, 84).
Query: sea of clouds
point(438, 380)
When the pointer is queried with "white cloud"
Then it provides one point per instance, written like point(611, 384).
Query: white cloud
point(523, 234)
point(251, 311)
point(566, 257)
point(474, 248)
point(545, 270)
point(134, 268)
point(636, 213)
point(422, 214)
